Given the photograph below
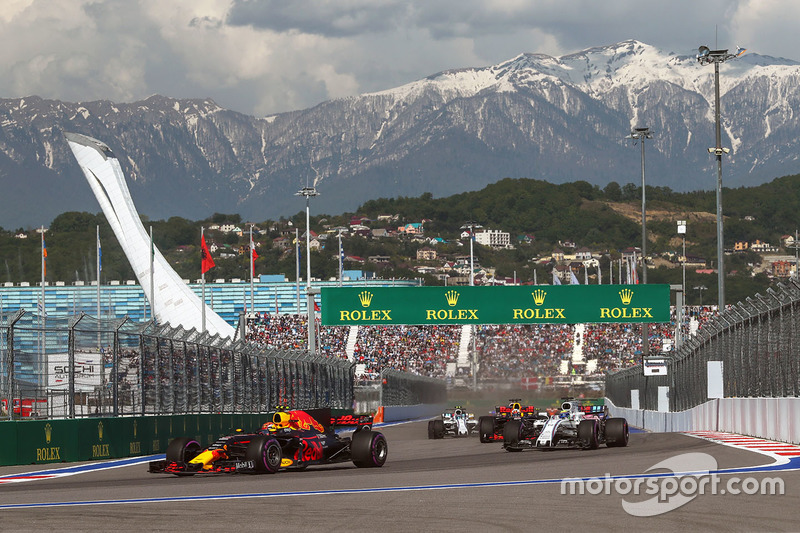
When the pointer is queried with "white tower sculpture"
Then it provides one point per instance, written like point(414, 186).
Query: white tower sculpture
point(172, 301)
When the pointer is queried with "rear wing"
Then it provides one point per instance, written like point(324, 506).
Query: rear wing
point(358, 421)
point(525, 411)
point(594, 406)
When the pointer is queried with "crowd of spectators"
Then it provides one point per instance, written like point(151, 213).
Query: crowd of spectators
point(290, 332)
point(522, 350)
point(504, 351)
point(422, 350)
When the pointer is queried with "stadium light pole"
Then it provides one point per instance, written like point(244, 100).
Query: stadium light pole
point(682, 233)
point(471, 227)
point(309, 192)
point(706, 56)
point(701, 288)
point(639, 135)
point(680, 313)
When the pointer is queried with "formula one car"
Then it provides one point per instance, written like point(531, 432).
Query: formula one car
point(293, 439)
point(490, 428)
point(580, 424)
point(455, 422)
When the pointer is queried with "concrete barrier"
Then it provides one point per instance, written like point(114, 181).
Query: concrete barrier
point(767, 418)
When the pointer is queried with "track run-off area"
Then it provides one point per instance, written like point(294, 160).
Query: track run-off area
point(435, 485)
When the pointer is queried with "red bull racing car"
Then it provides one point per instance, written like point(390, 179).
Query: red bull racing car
point(490, 428)
point(579, 424)
point(293, 439)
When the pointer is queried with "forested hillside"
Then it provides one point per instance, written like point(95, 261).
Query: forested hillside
point(604, 220)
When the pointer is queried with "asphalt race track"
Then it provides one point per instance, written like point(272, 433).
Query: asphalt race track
point(426, 485)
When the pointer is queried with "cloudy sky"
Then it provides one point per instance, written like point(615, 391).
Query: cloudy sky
point(267, 56)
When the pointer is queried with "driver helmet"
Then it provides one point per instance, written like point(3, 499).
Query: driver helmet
point(280, 420)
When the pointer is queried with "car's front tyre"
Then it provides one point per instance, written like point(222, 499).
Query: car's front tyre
point(266, 454)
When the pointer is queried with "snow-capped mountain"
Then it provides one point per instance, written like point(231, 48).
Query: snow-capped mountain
point(558, 119)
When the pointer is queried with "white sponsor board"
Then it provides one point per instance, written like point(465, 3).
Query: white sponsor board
point(655, 366)
point(86, 368)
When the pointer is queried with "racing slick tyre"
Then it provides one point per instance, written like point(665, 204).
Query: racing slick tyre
point(438, 429)
point(588, 434)
point(512, 431)
point(485, 428)
point(266, 454)
point(183, 450)
point(431, 432)
point(616, 432)
point(368, 449)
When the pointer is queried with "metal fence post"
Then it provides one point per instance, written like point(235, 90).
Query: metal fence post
point(11, 363)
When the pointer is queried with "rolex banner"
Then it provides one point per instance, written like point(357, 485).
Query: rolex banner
point(529, 304)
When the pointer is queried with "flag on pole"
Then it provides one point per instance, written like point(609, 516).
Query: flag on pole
point(253, 257)
point(207, 261)
point(556, 280)
point(99, 255)
point(44, 258)
point(316, 306)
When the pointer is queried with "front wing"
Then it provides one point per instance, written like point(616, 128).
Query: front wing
point(189, 469)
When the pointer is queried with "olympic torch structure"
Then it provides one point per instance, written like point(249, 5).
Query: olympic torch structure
point(172, 300)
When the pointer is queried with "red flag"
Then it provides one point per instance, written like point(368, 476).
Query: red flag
point(316, 307)
point(255, 256)
point(208, 262)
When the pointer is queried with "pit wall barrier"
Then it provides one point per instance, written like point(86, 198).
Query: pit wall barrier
point(766, 418)
point(90, 439)
point(399, 413)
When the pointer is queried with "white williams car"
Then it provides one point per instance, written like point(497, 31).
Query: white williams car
point(579, 424)
point(454, 422)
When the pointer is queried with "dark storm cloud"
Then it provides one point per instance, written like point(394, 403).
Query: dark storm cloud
point(318, 17)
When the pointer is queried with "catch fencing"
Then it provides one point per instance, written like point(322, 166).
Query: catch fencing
point(67, 367)
point(395, 389)
point(758, 342)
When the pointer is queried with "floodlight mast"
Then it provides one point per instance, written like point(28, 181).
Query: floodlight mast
point(308, 192)
point(706, 56)
point(640, 134)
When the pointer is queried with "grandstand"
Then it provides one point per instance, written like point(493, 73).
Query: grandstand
point(504, 352)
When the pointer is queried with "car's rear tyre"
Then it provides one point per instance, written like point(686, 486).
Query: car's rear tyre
point(588, 434)
point(617, 432)
point(486, 428)
point(369, 449)
point(266, 454)
point(183, 450)
point(431, 432)
point(512, 433)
